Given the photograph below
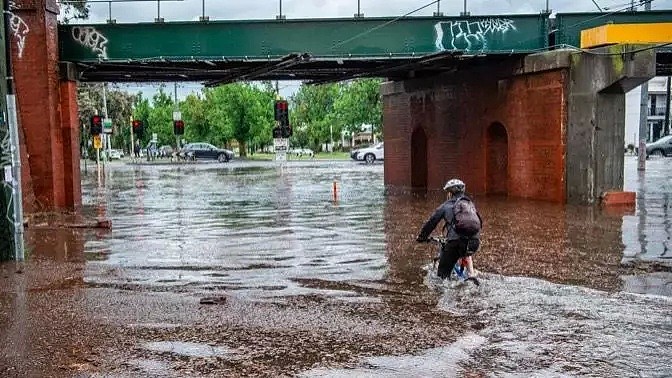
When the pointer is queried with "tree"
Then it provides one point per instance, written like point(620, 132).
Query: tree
point(313, 106)
point(360, 103)
point(240, 111)
point(161, 119)
point(197, 126)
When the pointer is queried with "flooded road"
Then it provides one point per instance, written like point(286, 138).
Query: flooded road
point(248, 269)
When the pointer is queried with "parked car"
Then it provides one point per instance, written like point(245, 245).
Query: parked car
point(371, 154)
point(354, 152)
point(302, 152)
point(195, 151)
point(115, 154)
point(165, 151)
point(662, 146)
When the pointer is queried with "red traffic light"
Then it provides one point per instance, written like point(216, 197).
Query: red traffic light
point(136, 123)
point(96, 119)
point(179, 123)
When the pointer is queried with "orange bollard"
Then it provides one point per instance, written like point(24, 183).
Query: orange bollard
point(335, 191)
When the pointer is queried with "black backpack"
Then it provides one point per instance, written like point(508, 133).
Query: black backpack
point(466, 220)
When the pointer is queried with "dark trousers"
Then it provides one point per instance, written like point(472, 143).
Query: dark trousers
point(452, 252)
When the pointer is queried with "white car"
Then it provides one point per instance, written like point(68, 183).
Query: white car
point(115, 154)
point(371, 154)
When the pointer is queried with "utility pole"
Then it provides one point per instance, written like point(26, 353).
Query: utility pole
point(11, 232)
point(643, 117)
point(666, 125)
point(106, 136)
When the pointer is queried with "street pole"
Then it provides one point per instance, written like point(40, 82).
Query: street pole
point(11, 188)
point(105, 136)
point(643, 116)
point(666, 125)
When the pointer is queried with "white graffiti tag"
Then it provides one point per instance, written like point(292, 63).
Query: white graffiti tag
point(469, 35)
point(89, 37)
point(6, 161)
point(20, 30)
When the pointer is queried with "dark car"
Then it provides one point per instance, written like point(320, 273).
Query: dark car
point(195, 151)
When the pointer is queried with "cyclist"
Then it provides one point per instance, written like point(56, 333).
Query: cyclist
point(463, 226)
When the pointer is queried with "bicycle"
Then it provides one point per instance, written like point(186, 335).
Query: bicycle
point(459, 269)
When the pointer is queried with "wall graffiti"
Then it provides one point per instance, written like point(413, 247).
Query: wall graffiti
point(5, 161)
point(19, 28)
point(89, 37)
point(470, 35)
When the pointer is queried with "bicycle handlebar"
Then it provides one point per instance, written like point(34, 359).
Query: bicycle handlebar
point(440, 240)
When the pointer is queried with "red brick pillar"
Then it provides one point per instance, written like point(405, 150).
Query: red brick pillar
point(48, 163)
point(71, 152)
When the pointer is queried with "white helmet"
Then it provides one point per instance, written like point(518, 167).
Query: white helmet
point(454, 186)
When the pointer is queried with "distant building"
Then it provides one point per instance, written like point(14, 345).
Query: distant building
point(655, 111)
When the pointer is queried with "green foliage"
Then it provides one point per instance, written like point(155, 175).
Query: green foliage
point(324, 111)
point(240, 114)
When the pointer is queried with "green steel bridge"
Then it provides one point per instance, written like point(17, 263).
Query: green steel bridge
point(323, 50)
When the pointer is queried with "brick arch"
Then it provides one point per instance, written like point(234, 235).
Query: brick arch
point(497, 159)
point(419, 159)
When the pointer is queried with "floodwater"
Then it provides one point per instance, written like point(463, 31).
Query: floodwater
point(246, 268)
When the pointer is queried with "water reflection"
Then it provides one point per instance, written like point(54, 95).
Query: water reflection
point(256, 229)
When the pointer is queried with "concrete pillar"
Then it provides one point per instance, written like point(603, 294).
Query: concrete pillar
point(46, 120)
point(596, 117)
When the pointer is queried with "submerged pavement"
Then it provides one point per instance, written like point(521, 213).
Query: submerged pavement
point(246, 268)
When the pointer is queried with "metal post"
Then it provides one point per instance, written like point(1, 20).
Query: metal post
point(643, 116)
point(158, 12)
point(204, 17)
point(280, 16)
point(11, 128)
point(359, 13)
point(465, 13)
point(438, 9)
point(105, 136)
point(666, 125)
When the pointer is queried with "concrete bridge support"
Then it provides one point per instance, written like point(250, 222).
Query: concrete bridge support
point(548, 126)
point(47, 105)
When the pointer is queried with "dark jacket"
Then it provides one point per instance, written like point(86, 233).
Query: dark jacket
point(445, 212)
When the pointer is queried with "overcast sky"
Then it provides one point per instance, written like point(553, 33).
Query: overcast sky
point(268, 9)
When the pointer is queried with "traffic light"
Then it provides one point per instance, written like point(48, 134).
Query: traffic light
point(277, 132)
point(286, 132)
point(96, 125)
point(178, 127)
point(138, 127)
point(282, 112)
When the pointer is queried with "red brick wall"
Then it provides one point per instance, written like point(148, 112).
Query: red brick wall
point(38, 92)
point(456, 113)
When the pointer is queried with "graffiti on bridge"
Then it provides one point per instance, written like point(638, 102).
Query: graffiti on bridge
point(470, 35)
point(89, 37)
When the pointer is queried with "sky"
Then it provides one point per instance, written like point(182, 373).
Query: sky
point(186, 10)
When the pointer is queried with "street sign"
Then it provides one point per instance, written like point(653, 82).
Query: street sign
point(280, 156)
point(107, 126)
point(97, 142)
point(155, 138)
point(177, 116)
point(281, 144)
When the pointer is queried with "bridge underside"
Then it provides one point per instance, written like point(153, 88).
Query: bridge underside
point(291, 67)
point(302, 67)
